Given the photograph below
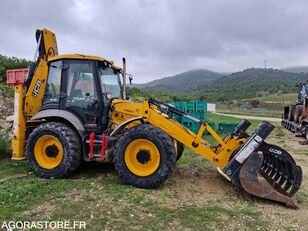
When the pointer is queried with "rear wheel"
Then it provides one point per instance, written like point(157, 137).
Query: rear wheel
point(53, 150)
point(306, 133)
point(144, 156)
point(298, 113)
point(291, 113)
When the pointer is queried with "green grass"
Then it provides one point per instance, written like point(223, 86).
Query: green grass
point(217, 118)
point(273, 103)
point(211, 117)
point(7, 91)
point(21, 194)
point(189, 158)
point(10, 168)
point(120, 207)
point(277, 98)
point(252, 112)
point(4, 147)
point(96, 196)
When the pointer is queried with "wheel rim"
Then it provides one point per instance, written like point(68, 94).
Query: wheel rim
point(48, 151)
point(142, 157)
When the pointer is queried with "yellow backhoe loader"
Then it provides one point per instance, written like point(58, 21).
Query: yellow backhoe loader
point(74, 108)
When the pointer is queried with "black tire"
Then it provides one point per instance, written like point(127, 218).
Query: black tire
point(291, 113)
point(306, 133)
point(163, 143)
point(298, 113)
point(179, 150)
point(71, 145)
point(285, 114)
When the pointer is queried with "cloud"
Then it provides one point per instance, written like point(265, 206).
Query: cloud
point(161, 38)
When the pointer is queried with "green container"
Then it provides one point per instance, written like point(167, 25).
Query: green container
point(179, 105)
point(226, 127)
point(190, 107)
point(177, 118)
point(189, 126)
point(196, 127)
point(192, 126)
point(186, 120)
point(201, 106)
point(199, 115)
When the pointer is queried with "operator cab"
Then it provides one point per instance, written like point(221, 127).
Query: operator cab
point(82, 86)
point(303, 90)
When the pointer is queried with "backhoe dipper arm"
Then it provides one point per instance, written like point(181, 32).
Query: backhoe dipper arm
point(38, 71)
point(28, 98)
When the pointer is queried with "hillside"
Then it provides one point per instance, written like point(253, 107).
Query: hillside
point(239, 85)
point(248, 83)
point(183, 82)
point(299, 69)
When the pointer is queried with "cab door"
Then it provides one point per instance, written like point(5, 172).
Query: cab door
point(82, 96)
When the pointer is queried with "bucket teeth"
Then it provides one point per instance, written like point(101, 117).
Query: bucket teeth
point(280, 170)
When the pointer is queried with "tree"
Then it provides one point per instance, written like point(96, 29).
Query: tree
point(11, 63)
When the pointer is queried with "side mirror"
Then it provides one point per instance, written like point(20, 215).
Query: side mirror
point(108, 94)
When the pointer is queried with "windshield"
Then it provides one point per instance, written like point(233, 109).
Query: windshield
point(110, 80)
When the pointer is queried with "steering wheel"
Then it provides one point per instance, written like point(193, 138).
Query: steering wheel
point(94, 106)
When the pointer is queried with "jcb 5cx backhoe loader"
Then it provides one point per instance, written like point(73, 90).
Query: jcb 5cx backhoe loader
point(73, 108)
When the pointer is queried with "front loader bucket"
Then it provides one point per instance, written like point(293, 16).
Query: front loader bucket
point(254, 183)
point(265, 170)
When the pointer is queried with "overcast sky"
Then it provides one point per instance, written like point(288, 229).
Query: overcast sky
point(162, 38)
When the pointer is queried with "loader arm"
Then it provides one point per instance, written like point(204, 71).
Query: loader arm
point(259, 168)
point(123, 110)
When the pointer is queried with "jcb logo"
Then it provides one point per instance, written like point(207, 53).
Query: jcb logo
point(278, 152)
point(36, 88)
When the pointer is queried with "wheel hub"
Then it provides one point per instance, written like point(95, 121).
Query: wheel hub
point(48, 151)
point(143, 156)
point(52, 151)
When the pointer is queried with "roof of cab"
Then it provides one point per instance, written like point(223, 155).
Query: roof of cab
point(80, 56)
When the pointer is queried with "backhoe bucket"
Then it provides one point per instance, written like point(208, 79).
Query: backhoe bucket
point(265, 170)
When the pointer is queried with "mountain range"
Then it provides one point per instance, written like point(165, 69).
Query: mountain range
point(298, 69)
point(183, 82)
point(213, 86)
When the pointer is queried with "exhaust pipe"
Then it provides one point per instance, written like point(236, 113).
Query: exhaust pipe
point(124, 78)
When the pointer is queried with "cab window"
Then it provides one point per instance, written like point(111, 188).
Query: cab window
point(52, 92)
point(110, 81)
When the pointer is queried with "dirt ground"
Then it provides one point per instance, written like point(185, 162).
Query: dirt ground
point(195, 197)
point(198, 191)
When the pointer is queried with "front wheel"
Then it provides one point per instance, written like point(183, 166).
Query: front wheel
point(144, 156)
point(179, 150)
